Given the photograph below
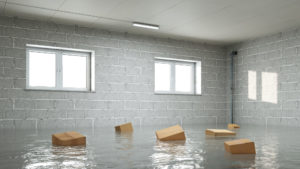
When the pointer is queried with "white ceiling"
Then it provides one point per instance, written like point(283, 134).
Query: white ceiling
point(212, 21)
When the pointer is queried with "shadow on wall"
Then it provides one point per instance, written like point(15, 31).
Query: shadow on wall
point(269, 86)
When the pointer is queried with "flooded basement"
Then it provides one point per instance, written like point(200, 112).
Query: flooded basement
point(32, 149)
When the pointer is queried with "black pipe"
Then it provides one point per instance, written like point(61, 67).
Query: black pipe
point(232, 54)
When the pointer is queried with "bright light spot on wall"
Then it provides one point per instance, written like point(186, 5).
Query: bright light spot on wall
point(252, 85)
point(269, 87)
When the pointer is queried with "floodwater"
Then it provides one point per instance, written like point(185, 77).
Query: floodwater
point(32, 149)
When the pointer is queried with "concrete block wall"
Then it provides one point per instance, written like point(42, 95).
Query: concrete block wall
point(274, 99)
point(124, 80)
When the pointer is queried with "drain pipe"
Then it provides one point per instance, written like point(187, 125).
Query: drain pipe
point(232, 54)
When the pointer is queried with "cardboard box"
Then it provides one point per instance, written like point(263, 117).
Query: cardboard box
point(170, 134)
point(219, 132)
point(124, 128)
point(68, 139)
point(241, 146)
point(233, 126)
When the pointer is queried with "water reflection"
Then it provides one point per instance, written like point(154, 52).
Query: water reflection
point(241, 160)
point(209, 138)
point(176, 154)
point(124, 140)
point(269, 151)
point(43, 155)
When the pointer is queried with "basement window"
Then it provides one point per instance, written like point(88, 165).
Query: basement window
point(173, 76)
point(62, 69)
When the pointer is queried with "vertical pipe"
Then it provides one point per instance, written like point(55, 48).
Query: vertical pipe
point(233, 53)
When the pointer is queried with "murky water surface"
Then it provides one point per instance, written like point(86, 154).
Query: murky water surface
point(275, 147)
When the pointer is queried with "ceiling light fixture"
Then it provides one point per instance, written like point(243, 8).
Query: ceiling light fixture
point(145, 25)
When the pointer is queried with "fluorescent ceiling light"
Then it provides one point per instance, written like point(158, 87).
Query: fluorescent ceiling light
point(145, 25)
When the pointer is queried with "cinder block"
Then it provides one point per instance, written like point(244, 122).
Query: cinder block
point(6, 42)
point(24, 104)
point(157, 120)
point(15, 52)
point(6, 83)
point(25, 124)
point(233, 126)
point(132, 105)
point(219, 132)
point(127, 127)
point(241, 146)
point(170, 134)
point(44, 104)
point(180, 105)
point(115, 105)
point(6, 104)
point(59, 37)
point(20, 63)
point(56, 123)
point(68, 139)
point(64, 104)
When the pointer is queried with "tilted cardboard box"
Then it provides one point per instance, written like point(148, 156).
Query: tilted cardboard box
point(241, 146)
point(170, 134)
point(127, 127)
point(233, 126)
point(219, 132)
point(68, 139)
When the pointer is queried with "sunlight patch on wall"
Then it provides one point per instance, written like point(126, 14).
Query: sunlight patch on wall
point(252, 85)
point(269, 87)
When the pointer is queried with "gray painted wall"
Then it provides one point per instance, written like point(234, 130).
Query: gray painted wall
point(276, 61)
point(124, 80)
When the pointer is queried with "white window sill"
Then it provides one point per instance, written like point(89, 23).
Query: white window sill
point(60, 90)
point(188, 94)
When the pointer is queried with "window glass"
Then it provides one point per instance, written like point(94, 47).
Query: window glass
point(74, 71)
point(54, 68)
point(183, 78)
point(42, 69)
point(162, 76)
point(177, 76)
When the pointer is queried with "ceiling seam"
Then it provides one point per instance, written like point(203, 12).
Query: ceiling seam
point(98, 19)
point(75, 13)
point(165, 10)
point(54, 12)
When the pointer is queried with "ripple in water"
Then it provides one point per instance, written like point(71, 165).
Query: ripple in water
point(42, 154)
point(178, 154)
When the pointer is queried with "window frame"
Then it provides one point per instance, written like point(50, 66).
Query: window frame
point(196, 67)
point(59, 52)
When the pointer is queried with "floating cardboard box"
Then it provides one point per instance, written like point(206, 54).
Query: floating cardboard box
point(233, 126)
point(219, 132)
point(171, 134)
point(124, 128)
point(68, 139)
point(241, 146)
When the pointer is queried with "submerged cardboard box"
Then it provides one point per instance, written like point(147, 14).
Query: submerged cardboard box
point(241, 146)
point(68, 139)
point(233, 126)
point(219, 132)
point(124, 128)
point(170, 134)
